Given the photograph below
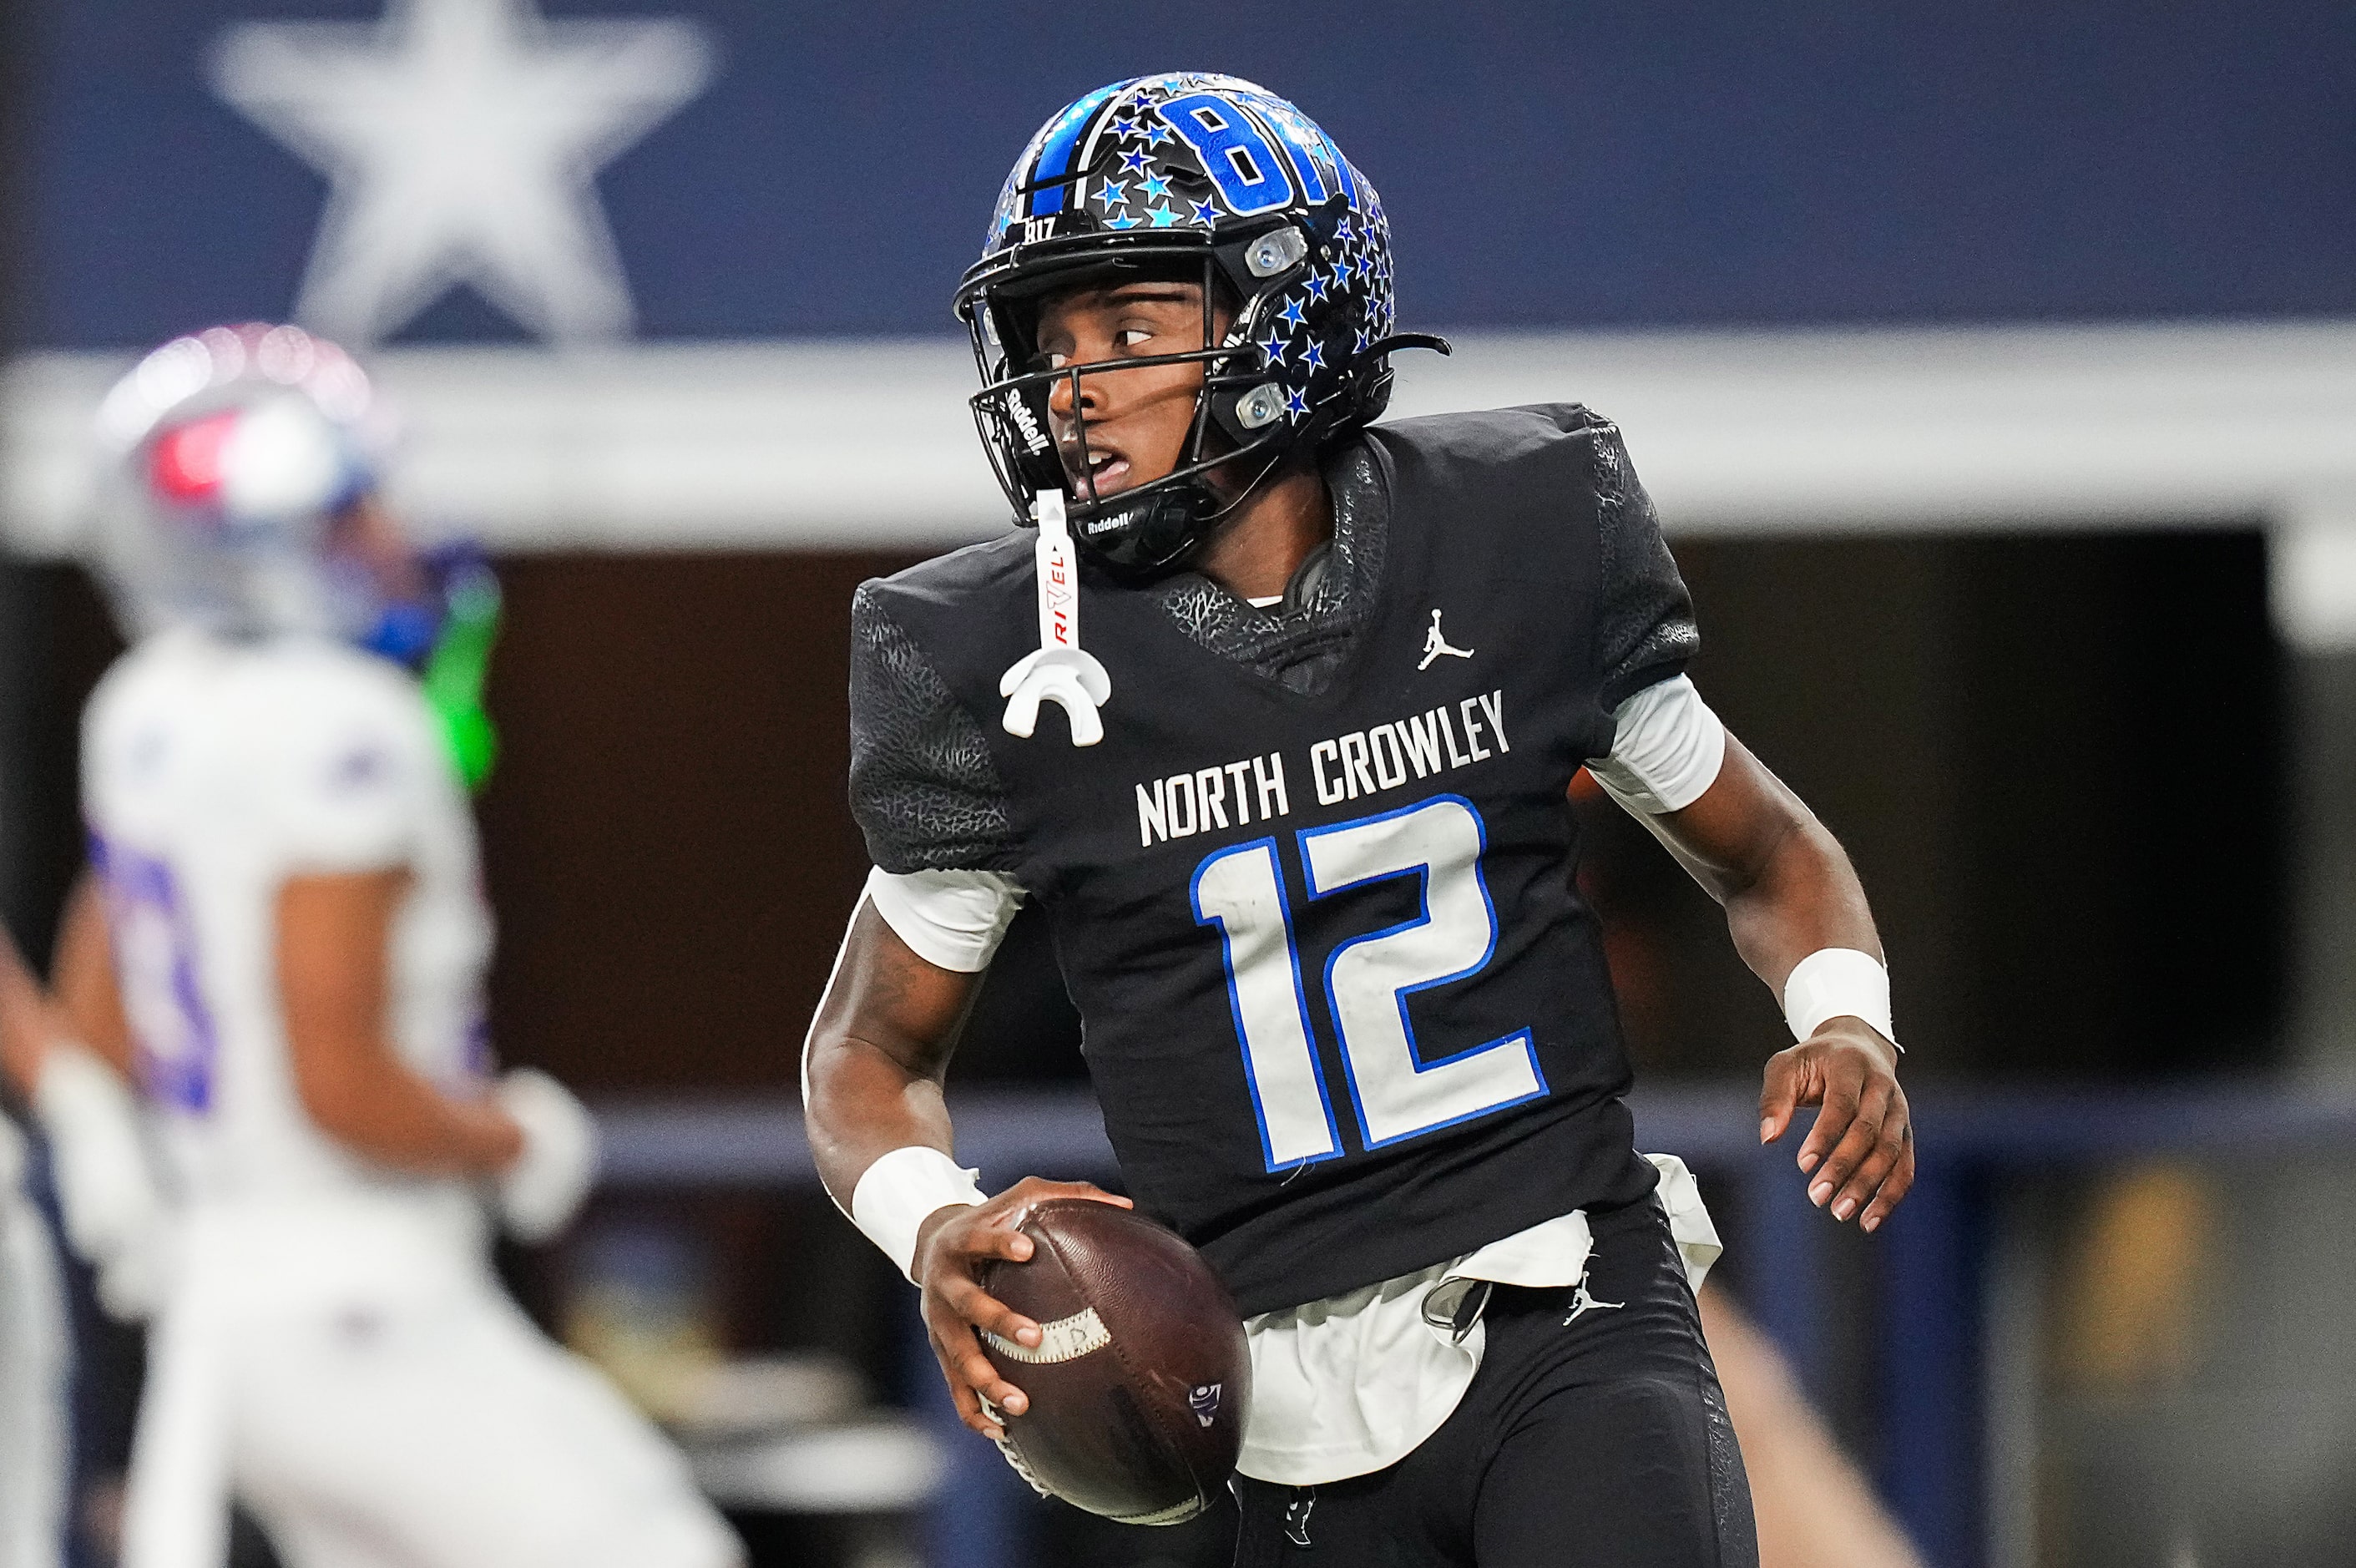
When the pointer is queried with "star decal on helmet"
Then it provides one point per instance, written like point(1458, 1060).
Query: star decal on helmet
point(1120, 220)
point(1113, 192)
point(1162, 217)
point(1156, 186)
point(1314, 355)
point(1293, 315)
point(1134, 162)
point(1295, 405)
point(1317, 286)
point(1274, 346)
point(1205, 212)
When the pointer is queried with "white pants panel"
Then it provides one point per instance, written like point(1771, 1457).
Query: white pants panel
point(33, 1370)
point(438, 1430)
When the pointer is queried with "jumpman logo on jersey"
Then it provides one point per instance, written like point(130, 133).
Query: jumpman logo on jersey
point(1434, 645)
point(1582, 1300)
point(1297, 1509)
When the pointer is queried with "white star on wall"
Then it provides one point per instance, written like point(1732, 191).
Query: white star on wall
point(463, 138)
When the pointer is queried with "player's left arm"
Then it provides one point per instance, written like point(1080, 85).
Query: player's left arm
point(88, 999)
point(333, 955)
point(23, 1019)
point(1789, 892)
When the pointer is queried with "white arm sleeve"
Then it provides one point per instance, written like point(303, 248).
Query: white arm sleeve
point(952, 919)
point(1667, 750)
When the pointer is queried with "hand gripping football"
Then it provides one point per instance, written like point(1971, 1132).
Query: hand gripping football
point(1141, 1382)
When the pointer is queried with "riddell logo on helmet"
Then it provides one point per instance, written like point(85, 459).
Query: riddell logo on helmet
point(1032, 436)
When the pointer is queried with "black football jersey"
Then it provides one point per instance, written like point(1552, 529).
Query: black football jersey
point(1342, 1007)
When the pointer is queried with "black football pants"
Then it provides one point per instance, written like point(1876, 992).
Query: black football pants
point(1602, 1442)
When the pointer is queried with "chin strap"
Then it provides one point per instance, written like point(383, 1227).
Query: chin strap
point(1059, 671)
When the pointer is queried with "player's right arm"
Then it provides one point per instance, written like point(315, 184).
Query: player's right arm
point(932, 809)
point(333, 947)
point(89, 1005)
point(72, 1052)
point(872, 1073)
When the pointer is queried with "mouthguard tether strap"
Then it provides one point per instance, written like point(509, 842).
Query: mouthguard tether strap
point(1060, 671)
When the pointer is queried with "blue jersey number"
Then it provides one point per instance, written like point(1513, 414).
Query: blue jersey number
point(1397, 1090)
point(1249, 173)
point(155, 960)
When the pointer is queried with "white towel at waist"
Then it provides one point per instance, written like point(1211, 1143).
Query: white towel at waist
point(1348, 1385)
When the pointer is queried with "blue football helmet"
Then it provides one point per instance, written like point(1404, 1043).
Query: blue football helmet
point(1186, 175)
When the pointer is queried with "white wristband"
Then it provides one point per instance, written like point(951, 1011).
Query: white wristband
point(1837, 982)
point(901, 1190)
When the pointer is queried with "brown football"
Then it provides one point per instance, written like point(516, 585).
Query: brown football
point(1140, 1386)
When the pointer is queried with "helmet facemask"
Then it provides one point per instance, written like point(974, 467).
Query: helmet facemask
point(1241, 421)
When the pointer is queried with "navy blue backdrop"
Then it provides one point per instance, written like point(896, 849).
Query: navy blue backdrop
point(1545, 164)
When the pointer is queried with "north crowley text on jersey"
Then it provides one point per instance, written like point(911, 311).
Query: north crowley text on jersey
point(1185, 804)
point(1363, 762)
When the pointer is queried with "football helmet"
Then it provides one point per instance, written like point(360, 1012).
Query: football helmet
point(1185, 175)
point(230, 454)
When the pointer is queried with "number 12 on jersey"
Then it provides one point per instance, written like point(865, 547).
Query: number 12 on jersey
point(1398, 1092)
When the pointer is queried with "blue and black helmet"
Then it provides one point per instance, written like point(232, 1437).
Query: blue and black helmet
point(1186, 175)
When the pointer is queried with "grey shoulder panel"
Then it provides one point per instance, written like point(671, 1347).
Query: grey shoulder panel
point(1301, 643)
point(1644, 629)
point(1645, 619)
point(923, 789)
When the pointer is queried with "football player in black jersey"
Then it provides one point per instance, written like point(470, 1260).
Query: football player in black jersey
point(1301, 834)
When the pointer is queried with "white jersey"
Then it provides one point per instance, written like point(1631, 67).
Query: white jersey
point(213, 772)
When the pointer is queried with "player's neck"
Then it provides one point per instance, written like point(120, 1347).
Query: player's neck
point(1256, 552)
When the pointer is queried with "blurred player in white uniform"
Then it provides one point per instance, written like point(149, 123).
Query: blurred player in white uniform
point(106, 1194)
point(283, 933)
point(33, 1348)
point(33, 1368)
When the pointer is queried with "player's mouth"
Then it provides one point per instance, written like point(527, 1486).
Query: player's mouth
point(1103, 472)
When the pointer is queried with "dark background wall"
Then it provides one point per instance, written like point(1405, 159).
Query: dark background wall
point(2056, 762)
